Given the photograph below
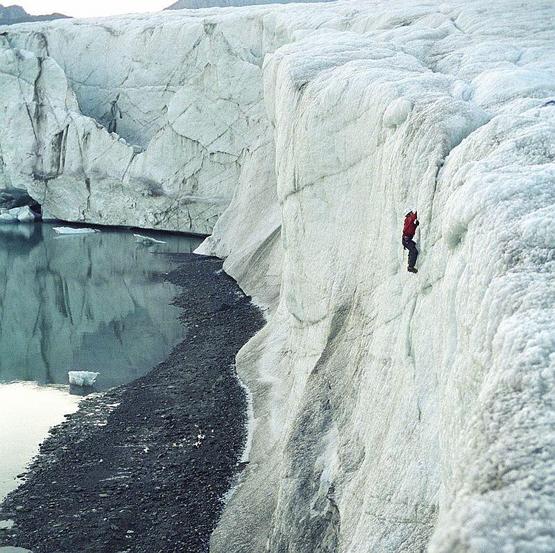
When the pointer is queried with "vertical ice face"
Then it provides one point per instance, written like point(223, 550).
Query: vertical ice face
point(393, 412)
point(102, 126)
point(140, 120)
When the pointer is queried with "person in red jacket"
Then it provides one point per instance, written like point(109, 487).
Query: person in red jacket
point(409, 230)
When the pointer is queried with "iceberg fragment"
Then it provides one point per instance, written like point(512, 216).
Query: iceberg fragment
point(22, 214)
point(82, 378)
point(69, 230)
point(25, 214)
point(141, 238)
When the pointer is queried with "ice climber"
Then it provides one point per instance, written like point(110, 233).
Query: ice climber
point(409, 229)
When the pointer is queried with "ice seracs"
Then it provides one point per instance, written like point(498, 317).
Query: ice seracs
point(171, 164)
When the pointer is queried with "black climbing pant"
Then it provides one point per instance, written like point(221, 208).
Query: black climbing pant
point(408, 244)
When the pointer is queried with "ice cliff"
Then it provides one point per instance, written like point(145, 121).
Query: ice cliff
point(392, 412)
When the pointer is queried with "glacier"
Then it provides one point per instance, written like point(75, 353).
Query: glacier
point(197, 4)
point(391, 412)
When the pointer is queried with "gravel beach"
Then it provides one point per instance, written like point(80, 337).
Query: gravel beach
point(144, 467)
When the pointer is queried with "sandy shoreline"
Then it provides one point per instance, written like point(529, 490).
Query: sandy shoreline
point(145, 467)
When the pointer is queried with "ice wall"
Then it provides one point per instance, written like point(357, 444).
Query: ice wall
point(393, 412)
point(141, 121)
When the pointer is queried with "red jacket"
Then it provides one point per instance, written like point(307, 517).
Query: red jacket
point(410, 225)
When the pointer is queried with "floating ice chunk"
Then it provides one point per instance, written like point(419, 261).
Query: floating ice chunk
point(141, 238)
point(69, 230)
point(7, 218)
point(25, 215)
point(82, 378)
point(9, 549)
point(22, 214)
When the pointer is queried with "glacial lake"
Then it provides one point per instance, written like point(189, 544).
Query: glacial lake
point(94, 302)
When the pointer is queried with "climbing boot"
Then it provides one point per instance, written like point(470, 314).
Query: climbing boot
point(412, 269)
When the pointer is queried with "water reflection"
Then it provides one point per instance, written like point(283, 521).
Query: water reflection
point(84, 302)
point(92, 302)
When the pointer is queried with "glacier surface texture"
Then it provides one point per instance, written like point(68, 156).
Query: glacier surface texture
point(392, 412)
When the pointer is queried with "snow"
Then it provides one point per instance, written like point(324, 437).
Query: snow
point(82, 378)
point(71, 230)
point(391, 411)
point(198, 4)
point(396, 113)
point(250, 423)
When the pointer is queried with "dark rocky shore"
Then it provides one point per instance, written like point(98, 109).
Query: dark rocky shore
point(144, 467)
